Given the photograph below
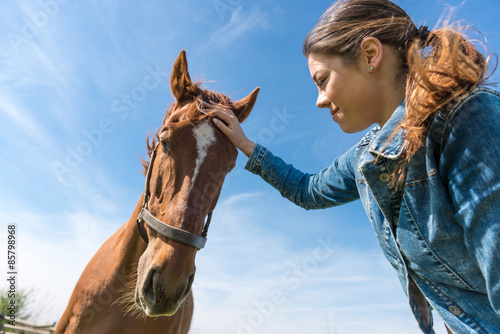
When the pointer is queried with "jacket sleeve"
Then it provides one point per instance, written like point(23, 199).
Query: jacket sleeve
point(332, 186)
point(470, 166)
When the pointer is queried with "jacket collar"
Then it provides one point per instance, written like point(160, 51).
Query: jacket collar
point(380, 145)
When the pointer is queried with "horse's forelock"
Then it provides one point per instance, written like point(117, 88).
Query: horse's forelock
point(194, 115)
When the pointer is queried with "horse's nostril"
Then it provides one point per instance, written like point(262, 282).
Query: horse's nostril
point(188, 286)
point(190, 280)
point(149, 286)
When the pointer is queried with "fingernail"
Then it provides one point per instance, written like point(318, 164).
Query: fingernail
point(215, 120)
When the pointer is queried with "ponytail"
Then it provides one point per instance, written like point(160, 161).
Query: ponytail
point(443, 67)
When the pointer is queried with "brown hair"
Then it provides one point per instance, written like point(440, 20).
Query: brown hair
point(439, 66)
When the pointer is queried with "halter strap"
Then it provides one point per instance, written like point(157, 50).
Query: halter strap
point(164, 229)
point(171, 232)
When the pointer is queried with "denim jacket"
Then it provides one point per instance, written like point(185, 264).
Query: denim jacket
point(441, 230)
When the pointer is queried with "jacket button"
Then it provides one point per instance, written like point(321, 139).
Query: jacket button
point(396, 220)
point(455, 310)
point(436, 135)
point(384, 177)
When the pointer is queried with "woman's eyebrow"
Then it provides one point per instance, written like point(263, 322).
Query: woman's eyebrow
point(315, 77)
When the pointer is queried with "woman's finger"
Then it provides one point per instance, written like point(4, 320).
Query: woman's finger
point(223, 127)
point(217, 110)
point(209, 105)
point(223, 118)
point(226, 115)
point(213, 106)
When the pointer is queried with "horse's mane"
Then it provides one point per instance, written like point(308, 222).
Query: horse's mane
point(192, 115)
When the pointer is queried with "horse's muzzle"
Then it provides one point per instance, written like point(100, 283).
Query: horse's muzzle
point(155, 297)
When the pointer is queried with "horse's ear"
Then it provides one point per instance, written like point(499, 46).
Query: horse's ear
point(243, 107)
point(180, 82)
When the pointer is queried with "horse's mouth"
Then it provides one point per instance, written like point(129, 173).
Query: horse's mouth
point(167, 306)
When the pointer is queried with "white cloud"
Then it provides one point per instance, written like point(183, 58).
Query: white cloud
point(240, 198)
point(448, 15)
point(22, 119)
point(239, 24)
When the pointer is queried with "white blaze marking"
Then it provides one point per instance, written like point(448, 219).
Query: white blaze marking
point(205, 136)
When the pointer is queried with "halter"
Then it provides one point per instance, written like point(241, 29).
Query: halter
point(167, 231)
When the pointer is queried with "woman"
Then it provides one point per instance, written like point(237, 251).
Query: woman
point(428, 175)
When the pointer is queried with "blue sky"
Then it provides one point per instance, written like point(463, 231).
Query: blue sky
point(81, 84)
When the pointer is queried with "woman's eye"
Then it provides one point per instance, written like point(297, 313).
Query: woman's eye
point(320, 83)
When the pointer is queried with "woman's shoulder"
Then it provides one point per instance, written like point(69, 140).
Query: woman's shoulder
point(479, 100)
point(477, 114)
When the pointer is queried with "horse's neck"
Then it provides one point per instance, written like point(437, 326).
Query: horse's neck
point(121, 252)
point(108, 274)
point(131, 246)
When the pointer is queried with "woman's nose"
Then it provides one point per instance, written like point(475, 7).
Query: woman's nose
point(322, 101)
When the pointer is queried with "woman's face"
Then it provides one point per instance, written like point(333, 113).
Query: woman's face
point(350, 92)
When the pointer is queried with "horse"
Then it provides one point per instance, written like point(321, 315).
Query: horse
point(140, 280)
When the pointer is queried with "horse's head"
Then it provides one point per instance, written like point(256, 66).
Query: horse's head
point(191, 160)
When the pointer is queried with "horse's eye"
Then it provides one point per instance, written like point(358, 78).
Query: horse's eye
point(165, 144)
point(164, 138)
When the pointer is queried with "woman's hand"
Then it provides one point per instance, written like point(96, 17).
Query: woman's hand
point(228, 123)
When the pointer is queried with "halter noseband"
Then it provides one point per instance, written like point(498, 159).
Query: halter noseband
point(167, 231)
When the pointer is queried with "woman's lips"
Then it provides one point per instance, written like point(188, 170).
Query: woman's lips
point(333, 111)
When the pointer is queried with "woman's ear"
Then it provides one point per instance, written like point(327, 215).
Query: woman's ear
point(372, 53)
